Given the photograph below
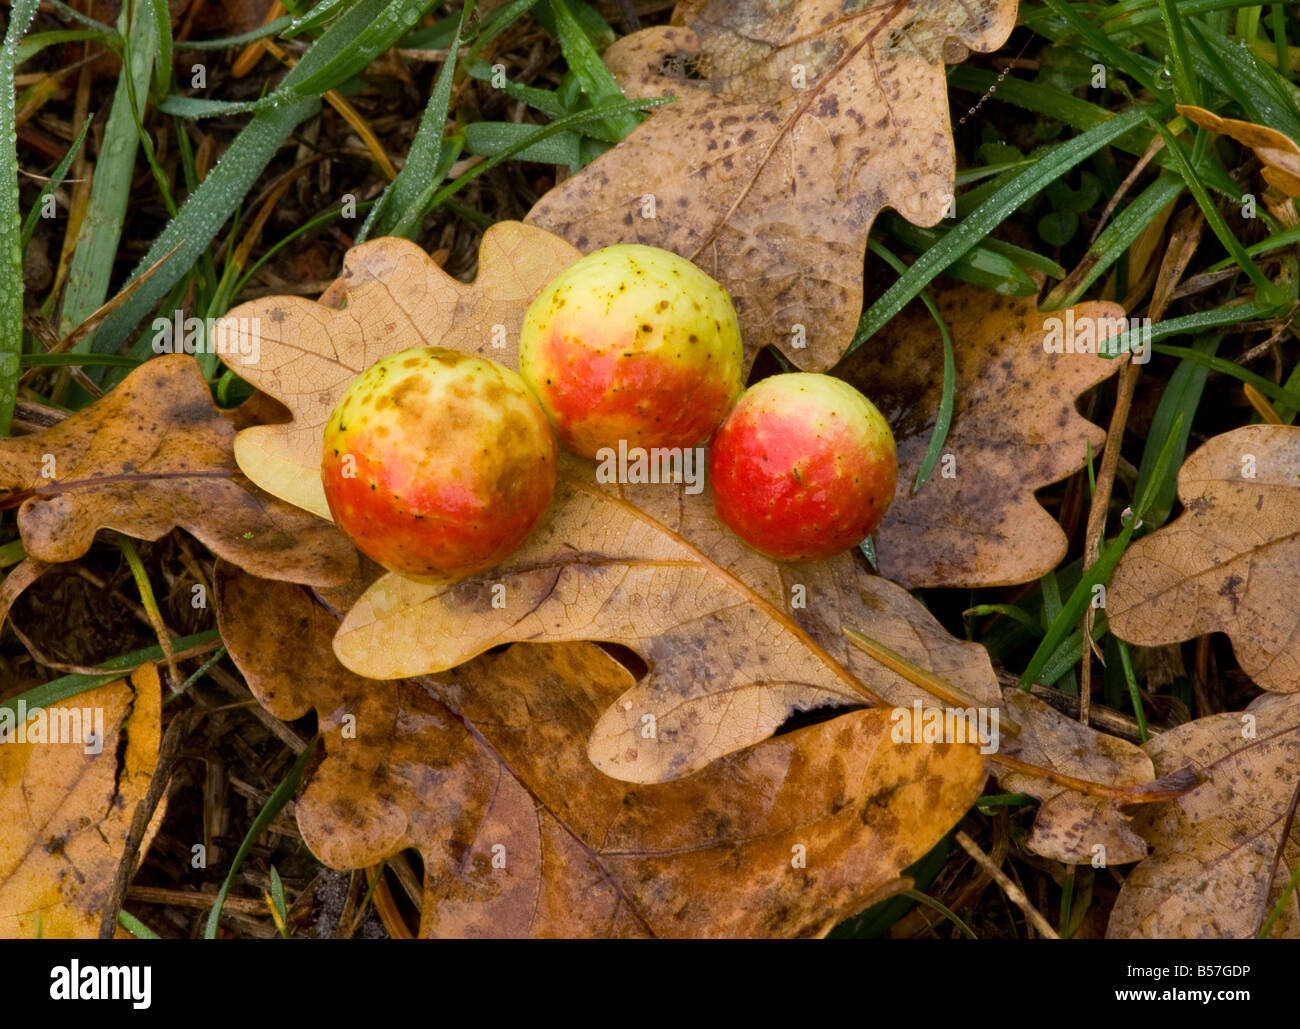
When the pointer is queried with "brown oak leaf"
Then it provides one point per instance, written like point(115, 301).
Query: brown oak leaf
point(1279, 153)
point(734, 641)
point(795, 122)
point(482, 769)
point(1070, 824)
point(152, 455)
point(975, 521)
point(1219, 860)
point(390, 296)
point(1228, 561)
point(606, 564)
point(68, 804)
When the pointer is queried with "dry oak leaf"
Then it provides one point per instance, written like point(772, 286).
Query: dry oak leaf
point(1220, 861)
point(1278, 152)
point(607, 564)
point(66, 811)
point(482, 770)
point(1229, 563)
point(734, 642)
point(1014, 430)
point(1069, 822)
point(150, 456)
point(391, 296)
point(795, 122)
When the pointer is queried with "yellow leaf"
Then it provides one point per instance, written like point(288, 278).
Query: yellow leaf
point(67, 811)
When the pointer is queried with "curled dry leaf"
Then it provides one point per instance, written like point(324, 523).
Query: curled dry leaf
point(1224, 563)
point(68, 805)
point(1014, 430)
point(1219, 861)
point(153, 455)
point(734, 642)
point(1278, 152)
point(391, 296)
point(1070, 824)
point(482, 769)
point(795, 122)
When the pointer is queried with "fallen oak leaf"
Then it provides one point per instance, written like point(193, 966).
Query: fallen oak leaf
point(482, 769)
point(643, 574)
point(1222, 565)
point(391, 295)
point(1279, 153)
point(975, 521)
point(379, 290)
point(1082, 777)
point(598, 568)
point(68, 804)
point(832, 600)
point(1219, 858)
point(18, 579)
point(795, 122)
point(1071, 821)
point(153, 455)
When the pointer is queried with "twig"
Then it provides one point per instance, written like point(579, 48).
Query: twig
point(1128, 377)
point(1014, 893)
point(167, 751)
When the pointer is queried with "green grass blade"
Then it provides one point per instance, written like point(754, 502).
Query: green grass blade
point(1121, 233)
point(209, 207)
point(38, 41)
point(1064, 622)
point(1269, 292)
point(544, 100)
point(1184, 82)
point(1008, 610)
point(1131, 14)
point(1095, 40)
point(981, 266)
point(491, 137)
point(194, 108)
point(281, 796)
point(162, 70)
point(56, 690)
point(943, 420)
point(590, 70)
point(91, 270)
point(1265, 96)
point(11, 249)
point(1126, 663)
point(134, 926)
point(56, 179)
point(397, 204)
point(343, 51)
point(1072, 610)
point(71, 12)
point(1218, 364)
point(202, 216)
point(1277, 241)
point(1180, 399)
point(988, 216)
